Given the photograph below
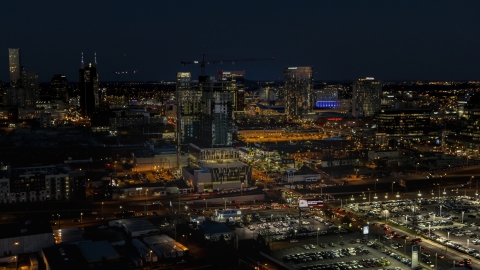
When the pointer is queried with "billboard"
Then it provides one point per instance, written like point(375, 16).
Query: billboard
point(315, 203)
point(365, 229)
point(415, 250)
point(302, 204)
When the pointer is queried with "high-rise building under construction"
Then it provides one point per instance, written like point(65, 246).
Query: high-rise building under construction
point(205, 111)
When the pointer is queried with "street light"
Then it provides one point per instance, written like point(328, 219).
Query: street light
point(205, 204)
point(463, 212)
point(150, 259)
point(376, 180)
point(102, 208)
point(369, 193)
point(81, 217)
point(416, 167)
point(392, 186)
point(375, 197)
point(318, 229)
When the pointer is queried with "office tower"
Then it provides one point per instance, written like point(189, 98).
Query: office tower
point(29, 90)
point(88, 86)
point(237, 78)
point(14, 66)
point(58, 87)
point(298, 91)
point(188, 97)
point(366, 97)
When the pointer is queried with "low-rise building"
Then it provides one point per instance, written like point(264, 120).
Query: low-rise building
point(25, 237)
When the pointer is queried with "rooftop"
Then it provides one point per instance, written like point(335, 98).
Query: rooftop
point(209, 227)
point(98, 251)
point(24, 228)
point(222, 164)
point(64, 256)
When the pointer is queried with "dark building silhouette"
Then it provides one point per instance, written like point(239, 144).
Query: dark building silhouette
point(88, 86)
point(58, 87)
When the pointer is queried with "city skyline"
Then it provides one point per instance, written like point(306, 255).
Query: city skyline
point(341, 40)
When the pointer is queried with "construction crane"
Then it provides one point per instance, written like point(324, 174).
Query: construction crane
point(118, 73)
point(203, 62)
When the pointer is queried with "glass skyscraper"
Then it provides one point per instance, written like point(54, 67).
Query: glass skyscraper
point(298, 91)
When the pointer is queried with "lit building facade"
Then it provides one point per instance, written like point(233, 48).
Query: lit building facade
point(298, 91)
point(327, 98)
point(366, 97)
point(44, 183)
point(237, 79)
point(406, 123)
point(216, 169)
point(188, 97)
point(14, 66)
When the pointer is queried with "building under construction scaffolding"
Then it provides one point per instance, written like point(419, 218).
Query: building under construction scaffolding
point(205, 111)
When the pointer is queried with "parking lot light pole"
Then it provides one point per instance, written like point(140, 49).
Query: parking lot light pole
point(436, 266)
point(468, 243)
point(317, 235)
point(463, 212)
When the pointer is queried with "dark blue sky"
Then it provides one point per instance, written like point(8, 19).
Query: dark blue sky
point(390, 40)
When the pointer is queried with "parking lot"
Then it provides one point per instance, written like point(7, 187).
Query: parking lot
point(280, 227)
point(349, 253)
point(451, 221)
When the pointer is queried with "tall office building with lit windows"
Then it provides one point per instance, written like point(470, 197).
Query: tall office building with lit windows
point(298, 91)
point(366, 97)
point(188, 97)
point(14, 66)
point(237, 79)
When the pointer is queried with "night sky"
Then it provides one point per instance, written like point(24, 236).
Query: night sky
point(343, 40)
